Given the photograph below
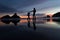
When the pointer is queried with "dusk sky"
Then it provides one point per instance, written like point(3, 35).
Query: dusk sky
point(42, 6)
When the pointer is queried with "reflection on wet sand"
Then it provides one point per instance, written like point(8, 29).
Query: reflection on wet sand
point(30, 22)
point(34, 23)
point(8, 22)
point(24, 21)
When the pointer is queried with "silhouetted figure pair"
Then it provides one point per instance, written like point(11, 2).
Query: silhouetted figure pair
point(34, 18)
point(34, 11)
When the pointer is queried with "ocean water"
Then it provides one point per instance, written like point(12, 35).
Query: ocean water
point(42, 29)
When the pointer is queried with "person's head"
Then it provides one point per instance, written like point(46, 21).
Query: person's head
point(34, 8)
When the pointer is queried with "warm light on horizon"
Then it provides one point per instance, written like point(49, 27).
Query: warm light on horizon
point(25, 16)
point(24, 21)
point(50, 14)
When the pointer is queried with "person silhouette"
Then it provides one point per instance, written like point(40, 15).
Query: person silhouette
point(28, 15)
point(34, 11)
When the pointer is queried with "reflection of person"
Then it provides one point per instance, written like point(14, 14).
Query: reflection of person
point(34, 18)
point(28, 23)
point(34, 22)
point(28, 15)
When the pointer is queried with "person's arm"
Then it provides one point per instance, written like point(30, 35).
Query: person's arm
point(31, 11)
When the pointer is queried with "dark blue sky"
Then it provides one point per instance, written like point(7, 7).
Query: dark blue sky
point(42, 6)
point(20, 3)
point(7, 5)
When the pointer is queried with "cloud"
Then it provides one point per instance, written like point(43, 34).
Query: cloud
point(20, 3)
point(14, 5)
point(5, 9)
point(46, 7)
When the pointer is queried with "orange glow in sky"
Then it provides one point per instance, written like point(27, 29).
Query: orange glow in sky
point(25, 16)
point(24, 21)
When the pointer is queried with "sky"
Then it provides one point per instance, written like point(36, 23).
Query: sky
point(24, 6)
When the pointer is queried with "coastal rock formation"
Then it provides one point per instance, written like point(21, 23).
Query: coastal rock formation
point(7, 19)
point(48, 16)
point(56, 17)
point(15, 16)
point(56, 14)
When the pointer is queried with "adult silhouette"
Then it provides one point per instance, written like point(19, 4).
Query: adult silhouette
point(34, 11)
